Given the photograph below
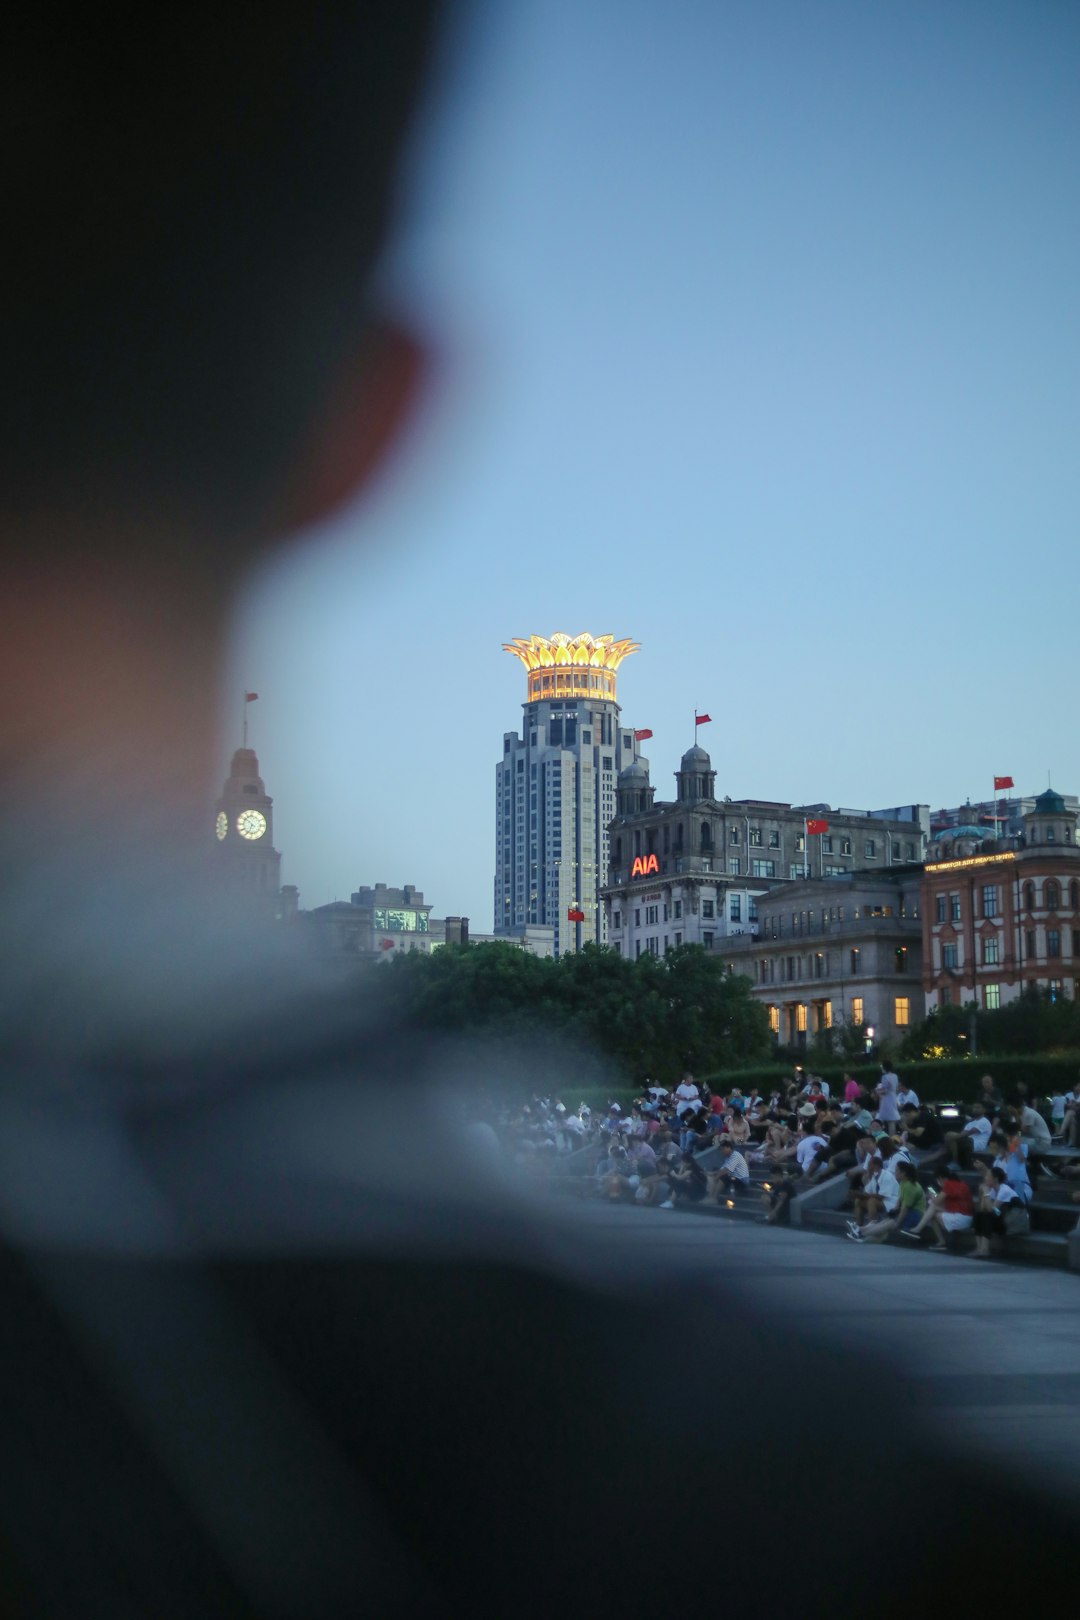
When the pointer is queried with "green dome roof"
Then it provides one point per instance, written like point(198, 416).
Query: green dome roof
point(1050, 804)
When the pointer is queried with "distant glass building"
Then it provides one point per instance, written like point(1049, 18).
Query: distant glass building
point(555, 787)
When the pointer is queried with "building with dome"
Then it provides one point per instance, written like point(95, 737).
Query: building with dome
point(555, 788)
point(691, 870)
point(1002, 915)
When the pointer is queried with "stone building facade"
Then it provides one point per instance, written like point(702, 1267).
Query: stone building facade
point(693, 870)
point(837, 952)
point(1003, 915)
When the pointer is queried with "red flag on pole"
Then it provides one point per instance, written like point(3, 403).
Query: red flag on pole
point(817, 826)
point(574, 915)
point(702, 719)
point(640, 736)
point(250, 697)
point(1003, 782)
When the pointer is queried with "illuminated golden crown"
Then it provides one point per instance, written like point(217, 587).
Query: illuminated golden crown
point(571, 666)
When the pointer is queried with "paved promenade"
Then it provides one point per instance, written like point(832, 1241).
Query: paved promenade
point(988, 1352)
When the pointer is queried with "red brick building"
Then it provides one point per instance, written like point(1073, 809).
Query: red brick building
point(1000, 916)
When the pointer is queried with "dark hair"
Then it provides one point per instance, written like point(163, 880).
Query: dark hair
point(193, 214)
point(907, 1169)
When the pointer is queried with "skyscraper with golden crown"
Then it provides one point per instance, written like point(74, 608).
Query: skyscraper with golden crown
point(556, 787)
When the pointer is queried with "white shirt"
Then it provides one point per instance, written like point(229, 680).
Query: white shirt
point(806, 1150)
point(979, 1131)
point(907, 1098)
point(888, 1188)
point(687, 1094)
point(735, 1165)
point(1032, 1124)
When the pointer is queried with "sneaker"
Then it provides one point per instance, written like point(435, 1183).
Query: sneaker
point(852, 1226)
point(856, 1237)
point(906, 1233)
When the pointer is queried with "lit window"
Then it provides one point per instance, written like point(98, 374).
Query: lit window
point(990, 950)
point(856, 1009)
point(902, 1011)
point(991, 997)
point(800, 1017)
point(826, 1014)
point(774, 1020)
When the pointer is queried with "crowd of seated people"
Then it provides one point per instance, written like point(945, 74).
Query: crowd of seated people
point(912, 1172)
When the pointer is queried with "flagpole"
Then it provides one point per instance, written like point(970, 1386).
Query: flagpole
point(244, 724)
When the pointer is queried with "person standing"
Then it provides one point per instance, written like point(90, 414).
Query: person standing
point(886, 1092)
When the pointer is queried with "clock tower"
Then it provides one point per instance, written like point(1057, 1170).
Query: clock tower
point(248, 863)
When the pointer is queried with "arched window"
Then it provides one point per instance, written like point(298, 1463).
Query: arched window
point(1029, 896)
point(1074, 895)
point(1051, 895)
point(706, 835)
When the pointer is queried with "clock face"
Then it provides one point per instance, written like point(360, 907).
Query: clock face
point(222, 825)
point(251, 824)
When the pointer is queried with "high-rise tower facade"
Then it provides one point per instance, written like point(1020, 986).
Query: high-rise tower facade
point(555, 787)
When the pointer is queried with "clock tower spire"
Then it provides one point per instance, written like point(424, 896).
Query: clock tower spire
point(249, 865)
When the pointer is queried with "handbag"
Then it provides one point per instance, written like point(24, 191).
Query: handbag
point(1016, 1221)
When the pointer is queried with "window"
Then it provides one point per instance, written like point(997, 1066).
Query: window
point(941, 906)
point(637, 918)
point(1057, 989)
point(819, 965)
point(755, 836)
point(991, 997)
point(845, 846)
point(1053, 942)
point(990, 900)
point(909, 852)
point(855, 959)
point(616, 919)
point(774, 840)
point(678, 910)
point(900, 958)
point(1074, 895)
point(1051, 895)
point(678, 940)
point(751, 914)
point(651, 917)
point(856, 1009)
point(990, 950)
point(735, 907)
point(901, 1012)
point(706, 940)
point(774, 1020)
point(870, 849)
point(734, 866)
point(733, 836)
point(826, 1014)
point(826, 844)
point(800, 843)
point(762, 869)
point(637, 949)
point(954, 908)
point(945, 996)
point(800, 1017)
point(706, 864)
point(948, 956)
point(708, 909)
point(1029, 897)
point(1029, 943)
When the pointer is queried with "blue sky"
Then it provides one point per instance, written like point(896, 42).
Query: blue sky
point(756, 338)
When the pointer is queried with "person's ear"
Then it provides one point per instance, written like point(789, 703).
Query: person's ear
point(362, 419)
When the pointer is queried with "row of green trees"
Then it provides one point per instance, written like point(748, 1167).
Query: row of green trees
point(1032, 1023)
point(653, 1016)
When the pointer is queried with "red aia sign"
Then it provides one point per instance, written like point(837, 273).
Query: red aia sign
point(645, 866)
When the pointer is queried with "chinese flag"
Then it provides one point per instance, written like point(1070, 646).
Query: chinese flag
point(1003, 782)
point(250, 697)
point(574, 915)
point(702, 719)
point(817, 826)
point(640, 736)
